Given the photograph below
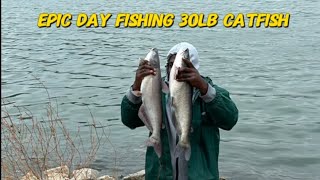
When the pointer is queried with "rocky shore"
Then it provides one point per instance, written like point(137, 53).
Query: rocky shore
point(62, 173)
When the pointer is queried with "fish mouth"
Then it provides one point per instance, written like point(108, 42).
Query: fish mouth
point(184, 49)
point(154, 49)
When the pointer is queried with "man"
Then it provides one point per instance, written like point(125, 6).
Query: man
point(212, 108)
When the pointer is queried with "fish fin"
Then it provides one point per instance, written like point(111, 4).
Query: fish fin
point(187, 154)
point(156, 143)
point(165, 87)
point(143, 116)
point(183, 149)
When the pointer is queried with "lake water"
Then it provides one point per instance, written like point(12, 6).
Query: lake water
point(272, 75)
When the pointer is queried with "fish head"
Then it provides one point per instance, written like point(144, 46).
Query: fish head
point(178, 62)
point(183, 53)
point(153, 58)
point(193, 53)
point(173, 52)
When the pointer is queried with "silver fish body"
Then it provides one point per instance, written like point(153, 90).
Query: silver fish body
point(181, 105)
point(150, 111)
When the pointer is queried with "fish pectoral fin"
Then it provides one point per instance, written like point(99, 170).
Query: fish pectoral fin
point(165, 87)
point(183, 150)
point(144, 117)
point(156, 144)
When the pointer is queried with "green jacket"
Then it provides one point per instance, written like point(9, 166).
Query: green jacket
point(207, 118)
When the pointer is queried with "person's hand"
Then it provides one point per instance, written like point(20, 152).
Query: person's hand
point(143, 70)
point(191, 75)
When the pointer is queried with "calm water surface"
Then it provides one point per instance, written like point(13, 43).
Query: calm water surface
point(272, 75)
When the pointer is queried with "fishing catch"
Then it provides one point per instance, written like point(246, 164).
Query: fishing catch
point(150, 111)
point(181, 105)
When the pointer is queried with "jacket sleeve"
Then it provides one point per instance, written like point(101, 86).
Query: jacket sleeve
point(222, 111)
point(129, 113)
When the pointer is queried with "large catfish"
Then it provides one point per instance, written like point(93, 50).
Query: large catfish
point(150, 111)
point(181, 105)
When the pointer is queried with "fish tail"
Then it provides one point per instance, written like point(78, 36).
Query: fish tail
point(183, 148)
point(156, 144)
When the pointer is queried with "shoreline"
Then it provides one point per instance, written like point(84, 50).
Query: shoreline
point(62, 173)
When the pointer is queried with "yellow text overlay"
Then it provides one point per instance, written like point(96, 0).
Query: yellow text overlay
point(166, 20)
point(256, 20)
point(149, 20)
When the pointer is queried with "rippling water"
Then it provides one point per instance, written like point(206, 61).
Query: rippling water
point(272, 75)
